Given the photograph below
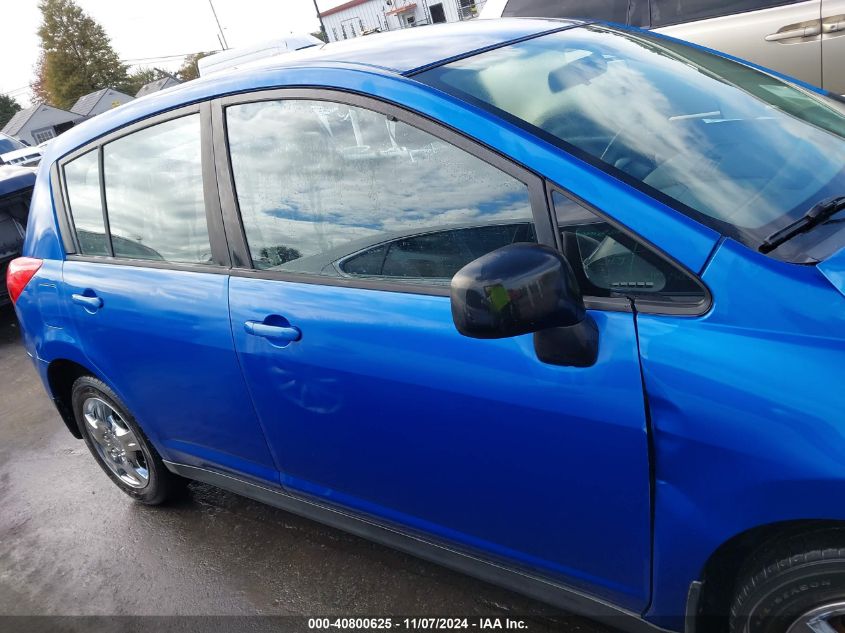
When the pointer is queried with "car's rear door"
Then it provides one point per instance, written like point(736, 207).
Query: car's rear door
point(146, 284)
point(355, 216)
point(784, 36)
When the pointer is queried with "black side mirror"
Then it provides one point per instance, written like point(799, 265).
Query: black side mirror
point(522, 288)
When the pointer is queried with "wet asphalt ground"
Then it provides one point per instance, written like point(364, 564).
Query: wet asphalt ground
point(72, 544)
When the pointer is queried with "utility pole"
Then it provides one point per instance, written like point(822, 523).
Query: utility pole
point(322, 26)
point(219, 28)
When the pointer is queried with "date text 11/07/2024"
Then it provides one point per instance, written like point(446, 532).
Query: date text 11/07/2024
point(417, 623)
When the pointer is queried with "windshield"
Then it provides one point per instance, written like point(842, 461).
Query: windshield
point(8, 144)
point(736, 148)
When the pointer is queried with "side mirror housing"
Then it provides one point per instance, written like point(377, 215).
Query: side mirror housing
point(516, 289)
point(523, 288)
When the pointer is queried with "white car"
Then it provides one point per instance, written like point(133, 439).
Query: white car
point(13, 152)
point(237, 57)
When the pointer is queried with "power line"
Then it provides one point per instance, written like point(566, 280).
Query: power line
point(10, 93)
point(136, 60)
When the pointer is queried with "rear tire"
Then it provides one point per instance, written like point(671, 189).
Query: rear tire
point(119, 445)
point(799, 587)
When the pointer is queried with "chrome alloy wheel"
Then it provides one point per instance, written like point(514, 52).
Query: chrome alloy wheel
point(828, 618)
point(116, 443)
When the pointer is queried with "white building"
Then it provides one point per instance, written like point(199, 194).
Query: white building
point(362, 17)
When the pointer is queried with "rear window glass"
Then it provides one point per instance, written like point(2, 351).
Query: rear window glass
point(82, 182)
point(608, 10)
point(154, 193)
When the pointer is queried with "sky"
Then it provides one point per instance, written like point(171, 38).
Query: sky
point(153, 32)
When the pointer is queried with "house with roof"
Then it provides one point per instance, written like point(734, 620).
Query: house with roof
point(158, 84)
point(39, 123)
point(97, 102)
point(355, 18)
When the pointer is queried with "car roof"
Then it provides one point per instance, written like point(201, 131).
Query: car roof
point(407, 51)
point(400, 52)
point(14, 179)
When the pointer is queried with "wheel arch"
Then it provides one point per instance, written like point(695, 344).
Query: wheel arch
point(61, 374)
point(723, 567)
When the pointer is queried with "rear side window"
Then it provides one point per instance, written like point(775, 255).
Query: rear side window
point(666, 12)
point(608, 10)
point(154, 193)
point(82, 182)
point(335, 190)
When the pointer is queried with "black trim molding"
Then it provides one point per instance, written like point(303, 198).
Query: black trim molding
point(422, 546)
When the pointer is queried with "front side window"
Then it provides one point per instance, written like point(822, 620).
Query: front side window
point(154, 193)
point(608, 10)
point(82, 183)
point(609, 262)
point(336, 190)
point(739, 150)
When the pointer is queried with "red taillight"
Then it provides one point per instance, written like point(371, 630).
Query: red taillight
point(18, 274)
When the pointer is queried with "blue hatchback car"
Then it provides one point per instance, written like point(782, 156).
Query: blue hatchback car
point(558, 304)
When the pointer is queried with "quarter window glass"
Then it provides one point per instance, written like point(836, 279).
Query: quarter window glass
point(82, 182)
point(609, 262)
point(154, 193)
point(609, 10)
point(664, 12)
point(331, 189)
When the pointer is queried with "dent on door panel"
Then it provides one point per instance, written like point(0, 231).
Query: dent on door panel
point(383, 407)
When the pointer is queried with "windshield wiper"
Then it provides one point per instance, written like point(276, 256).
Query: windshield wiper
point(817, 214)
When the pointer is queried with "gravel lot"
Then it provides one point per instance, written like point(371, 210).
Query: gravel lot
point(72, 544)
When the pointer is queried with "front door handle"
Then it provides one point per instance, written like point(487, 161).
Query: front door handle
point(804, 31)
point(277, 332)
point(90, 303)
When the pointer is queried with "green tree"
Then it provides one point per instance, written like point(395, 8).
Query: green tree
point(189, 69)
point(8, 107)
point(76, 55)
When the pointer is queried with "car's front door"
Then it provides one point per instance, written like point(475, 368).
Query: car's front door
point(355, 221)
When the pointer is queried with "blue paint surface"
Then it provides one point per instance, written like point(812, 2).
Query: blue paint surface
point(383, 408)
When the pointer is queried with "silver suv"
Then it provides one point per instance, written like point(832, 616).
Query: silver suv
point(803, 39)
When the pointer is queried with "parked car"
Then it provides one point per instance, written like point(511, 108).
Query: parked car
point(13, 152)
point(15, 192)
point(237, 57)
point(560, 305)
point(798, 38)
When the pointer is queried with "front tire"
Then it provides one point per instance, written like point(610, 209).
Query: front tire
point(798, 588)
point(119, 445)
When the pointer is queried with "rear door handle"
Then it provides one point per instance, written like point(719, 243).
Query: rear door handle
point(834, 24)
point(276, 332)
point(92, 303)
point(804, 31)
